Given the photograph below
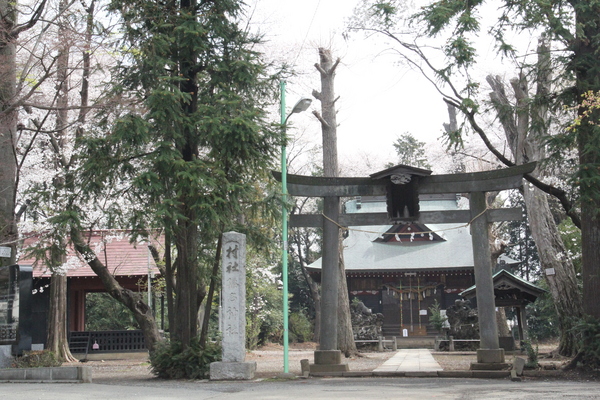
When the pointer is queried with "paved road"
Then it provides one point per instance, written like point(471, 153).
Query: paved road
point(313, 389)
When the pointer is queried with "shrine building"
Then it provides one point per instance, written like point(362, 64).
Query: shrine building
point(402, 269)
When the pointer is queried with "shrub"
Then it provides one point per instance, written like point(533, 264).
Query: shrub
point(532, 354)
point(301, 329)
point(588, 332)
point(542, 321)
point(37, 359)
point(437, 319)
point(171, 361)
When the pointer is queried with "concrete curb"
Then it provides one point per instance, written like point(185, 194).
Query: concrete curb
point(502, 374)
point(47, 375)
point(414, 374)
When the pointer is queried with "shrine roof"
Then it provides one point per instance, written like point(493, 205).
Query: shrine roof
point(363, 253)
point(113, 248)
point(507, 281)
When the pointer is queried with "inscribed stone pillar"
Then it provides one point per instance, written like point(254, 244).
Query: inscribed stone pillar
point(233, 365)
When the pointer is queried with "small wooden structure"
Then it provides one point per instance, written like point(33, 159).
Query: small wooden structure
point(402, 269)
point(129, 263)
point(511, 291)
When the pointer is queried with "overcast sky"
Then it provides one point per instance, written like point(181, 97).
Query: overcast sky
point(379, 99)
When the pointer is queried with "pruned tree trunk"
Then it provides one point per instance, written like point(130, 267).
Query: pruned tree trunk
point(8, 130)
point(345, 332)
point(326, 67)
point(134, 301)
point(525, 130)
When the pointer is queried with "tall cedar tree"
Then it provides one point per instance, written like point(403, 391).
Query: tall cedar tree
point(574, 26)
point(192, 141)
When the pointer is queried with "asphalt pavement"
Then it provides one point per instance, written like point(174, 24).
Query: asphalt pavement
point(312, 388)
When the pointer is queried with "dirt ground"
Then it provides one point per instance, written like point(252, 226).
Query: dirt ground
point(269, 360)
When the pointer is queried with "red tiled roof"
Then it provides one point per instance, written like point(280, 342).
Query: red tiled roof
point(114, 251)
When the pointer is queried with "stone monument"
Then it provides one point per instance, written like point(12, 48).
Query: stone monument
point(233, 365)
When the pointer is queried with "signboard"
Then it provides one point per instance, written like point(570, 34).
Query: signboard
point(5, 252)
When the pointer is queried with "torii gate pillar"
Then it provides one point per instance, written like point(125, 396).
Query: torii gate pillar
point(489, 354)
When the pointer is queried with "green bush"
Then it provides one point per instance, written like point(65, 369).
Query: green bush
point(253, 326)
point(37, 359)
point(171, 361)
point(542, 321)
point(301, 329)
point(588, 332)
point(437, 319)
point(532, 354)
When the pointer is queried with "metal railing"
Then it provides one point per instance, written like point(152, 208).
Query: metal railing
point(108, 341)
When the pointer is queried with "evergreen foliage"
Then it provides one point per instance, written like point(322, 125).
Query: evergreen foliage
point(532, 355)
point(301, 329)
point(436, 320)
point(411, 152)
point(588, 330)
point(542, 321)
point(264, 305)
point(172, 360)
point(104, 313)
point(189, 143)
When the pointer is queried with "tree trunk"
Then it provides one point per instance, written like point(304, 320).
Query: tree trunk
point(585, 62)
point(186, 286)
point(345, 334)
point(326, 67)
point(526, 143)
point(8, 130)
point(57, 337)
point(132, 300)
point(57, 319)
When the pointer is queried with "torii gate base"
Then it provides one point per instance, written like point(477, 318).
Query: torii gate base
point(328, 361)
point(490, 359)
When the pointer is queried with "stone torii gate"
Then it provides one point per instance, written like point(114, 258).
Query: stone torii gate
point(402, 185)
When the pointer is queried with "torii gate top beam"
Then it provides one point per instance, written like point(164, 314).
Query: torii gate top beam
point(487, 181)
